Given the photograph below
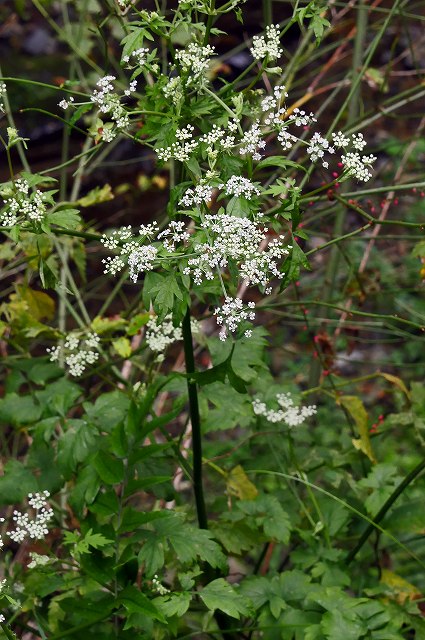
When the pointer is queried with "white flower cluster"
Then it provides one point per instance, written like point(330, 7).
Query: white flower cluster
point(2, 93)
point(194, 62)
point(109, 102)
point(138, 257)
point(173, 90)
point(300, 118)
point(160, 336)
point(317, 148)
point(66, 102)
point(173, 234)
point(140, 56)
point(37, 560)
point(358, 166)
point(231, 314)
point(34, 528)
point(182, 149)
point(271, 106)
point(354, 164)
point(252, 141)
point(239, 240)
point(21, 205)
point(219, 139)
point(77, 352)
point(200, 194)
point(159, 587)
point(240, 187)
point(267, 46)
point(288, 412)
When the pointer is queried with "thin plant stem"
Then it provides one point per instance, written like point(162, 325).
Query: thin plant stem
point(384, 509)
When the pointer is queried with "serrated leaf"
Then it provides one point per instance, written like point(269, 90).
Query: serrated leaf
point(151, 556)
point(357, 411)
point(219, 594)
point(65, 218)
point(175, 604)
point(82, 543)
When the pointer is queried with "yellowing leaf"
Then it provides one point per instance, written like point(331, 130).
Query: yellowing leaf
point(39, 304)
point(357, 411)
point(397, 382)
point(403, 590)
point(102, 325)
point(239, 485)
point(96, 196)
point(123, 347)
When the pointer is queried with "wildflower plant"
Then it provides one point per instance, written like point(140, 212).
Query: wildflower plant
point(152, 415)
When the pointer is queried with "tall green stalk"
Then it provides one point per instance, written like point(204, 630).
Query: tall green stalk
point(196, 423)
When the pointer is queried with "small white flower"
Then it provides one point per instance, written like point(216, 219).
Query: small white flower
point(267, 46)
point(340, 140)
point(77, 352)
point(194, 62)
point(239, 186)
point(288, 412)
point(65, 103)
point(201, 193)
point(231, 314)
point(37, 560)
point(357, 165)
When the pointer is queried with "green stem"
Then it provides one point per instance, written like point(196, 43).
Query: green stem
point(196, 423)
point(267, 12)
point(7, 632)
point(209, 23)
point(384, 509)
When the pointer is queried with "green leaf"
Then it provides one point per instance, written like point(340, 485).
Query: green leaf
point(279, 161)
point(90, 539)
point(48, 274)
point(18, 410)
point(16, 483)
point(65, 218)
point(109, 468)
point(269, 514)
point(219, 594)
point(175, 604)
point(151, 556)
point(337, 624)
point(136, 602)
